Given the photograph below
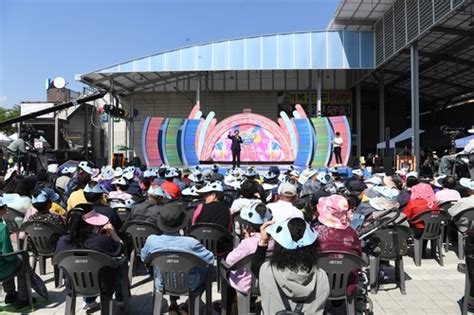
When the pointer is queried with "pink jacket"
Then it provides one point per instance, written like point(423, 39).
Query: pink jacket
point(241, 279)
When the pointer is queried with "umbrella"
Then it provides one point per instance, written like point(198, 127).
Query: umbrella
point(69, 163)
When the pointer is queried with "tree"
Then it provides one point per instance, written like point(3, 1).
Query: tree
point(9, 113)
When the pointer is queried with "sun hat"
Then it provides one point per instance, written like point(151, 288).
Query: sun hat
point(172, 217)
point(386, 192)
point(95, 218)
point(471, 130)
point(232, 181)
point(196, 177)
point(207, 174)
point(438, 181)
point(128, 175)
point(270, 175)
point(83, 166)
point(69, 170)
point(158, 191)
point(333, 169)
point(250, 172)
point(281, 234)
point(171, 172)
point(375, 180)
point(2, 203)
point(287, 189)
point(412, 174)
point(211, 187)
point(107, 173)
point(323, 178)
point(382, 203)
point(52, 195)
point(216, 167)
point(52, 168)
point(118, 203)
point(251, 215)
point(190, 191)
point(96, 189)
point(467, 183)
point(118, 172)
point(358, 172)
point(334, 211)
point(149, 173)
point(41, 198)
point(119, 181)
point(388, 181)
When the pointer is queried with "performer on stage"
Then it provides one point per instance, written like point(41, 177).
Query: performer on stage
point(236, 141)
point(337, 144)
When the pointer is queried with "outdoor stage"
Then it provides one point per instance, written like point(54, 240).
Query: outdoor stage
point(300, 140)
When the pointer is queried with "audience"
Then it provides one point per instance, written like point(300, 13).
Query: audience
point(281, 220)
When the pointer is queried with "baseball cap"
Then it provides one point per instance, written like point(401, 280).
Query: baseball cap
point(287, 189)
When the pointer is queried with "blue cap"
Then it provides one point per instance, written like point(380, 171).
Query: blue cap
point(281, 234)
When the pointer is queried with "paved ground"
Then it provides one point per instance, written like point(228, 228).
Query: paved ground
point(431, 289)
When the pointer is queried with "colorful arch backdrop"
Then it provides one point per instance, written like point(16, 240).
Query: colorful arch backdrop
point(188, 142)
point(263, 140)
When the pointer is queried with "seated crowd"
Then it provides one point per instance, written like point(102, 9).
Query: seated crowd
point(282, 217)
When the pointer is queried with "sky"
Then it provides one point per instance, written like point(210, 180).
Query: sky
point(41, 39)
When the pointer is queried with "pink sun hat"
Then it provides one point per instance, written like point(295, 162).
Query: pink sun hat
point(334, 211)
point(95, 218)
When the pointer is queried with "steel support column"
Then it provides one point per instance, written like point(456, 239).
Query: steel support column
point(132, 129)
point(318, 91)
point(415, 103)
point(358, 122)
point(111, 123)
point(198, 89)
point(381, 107)
point(310, 93)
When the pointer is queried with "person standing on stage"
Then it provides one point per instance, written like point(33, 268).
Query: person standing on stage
point(236, 141)
point(337, 144)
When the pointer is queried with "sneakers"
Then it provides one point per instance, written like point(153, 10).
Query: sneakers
point(91, 307)
point(10, 298)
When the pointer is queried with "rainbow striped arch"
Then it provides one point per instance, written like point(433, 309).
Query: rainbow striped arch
point(300, 140)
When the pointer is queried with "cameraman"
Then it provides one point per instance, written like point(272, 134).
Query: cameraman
point(447, 162)
point(17, 149)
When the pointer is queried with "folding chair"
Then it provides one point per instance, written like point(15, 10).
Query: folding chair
point(339, 266)
point(39, 234)
point(175, 268)
point(82, 268)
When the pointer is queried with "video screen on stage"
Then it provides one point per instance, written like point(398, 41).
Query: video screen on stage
point(258, 145)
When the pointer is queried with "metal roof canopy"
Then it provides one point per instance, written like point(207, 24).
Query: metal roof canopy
point(273, 57)
point(359, 15)
point(446, 63)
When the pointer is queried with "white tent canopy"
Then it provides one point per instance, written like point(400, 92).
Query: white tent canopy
point(461, 143)
point(4, 138)
point(407, 134)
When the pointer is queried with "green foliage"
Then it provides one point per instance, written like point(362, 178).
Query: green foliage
point(9, 113)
